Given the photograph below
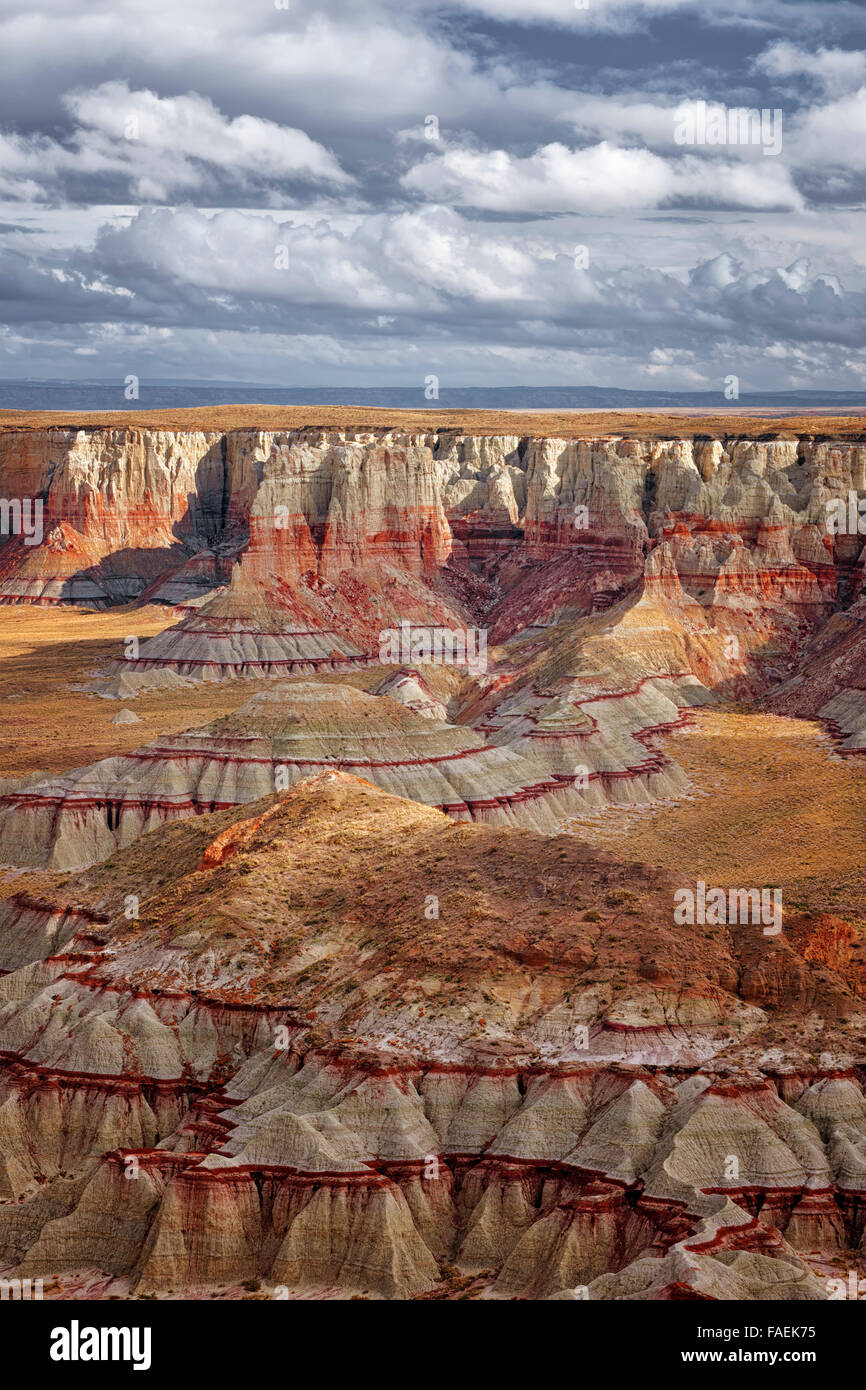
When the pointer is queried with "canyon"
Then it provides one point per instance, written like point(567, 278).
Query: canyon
point(332, 974)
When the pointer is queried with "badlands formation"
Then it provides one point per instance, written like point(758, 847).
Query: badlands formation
point(335, 992)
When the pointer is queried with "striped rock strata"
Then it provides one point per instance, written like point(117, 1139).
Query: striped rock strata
point(132, 511)
point(535, 762)
point(830, 681)
point(308, 1082)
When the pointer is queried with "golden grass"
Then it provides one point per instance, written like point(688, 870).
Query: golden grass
point(642, 424)
point(773, 806)
point(46, 727)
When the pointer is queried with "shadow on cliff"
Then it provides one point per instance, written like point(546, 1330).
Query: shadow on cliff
point(126, 573)
point(766, 666)
point(204, 522)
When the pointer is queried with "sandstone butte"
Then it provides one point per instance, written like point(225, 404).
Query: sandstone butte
point(328, 995)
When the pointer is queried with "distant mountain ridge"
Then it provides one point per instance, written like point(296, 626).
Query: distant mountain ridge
point(155, 394)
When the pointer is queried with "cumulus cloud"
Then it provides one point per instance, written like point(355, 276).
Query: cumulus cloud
point(336, 70)
point(831, 139)
point(836, 69)
point(594, 14)
point(627, 15)
point(151, 148)
point(598, 178)
point(434, 271)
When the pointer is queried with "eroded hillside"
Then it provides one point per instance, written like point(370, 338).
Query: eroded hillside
point(349, 963)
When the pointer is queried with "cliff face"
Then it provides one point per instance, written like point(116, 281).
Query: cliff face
point(315, 501)
point(321, 540)
point(120, 508)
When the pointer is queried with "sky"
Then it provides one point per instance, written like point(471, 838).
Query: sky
point(491, 192)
